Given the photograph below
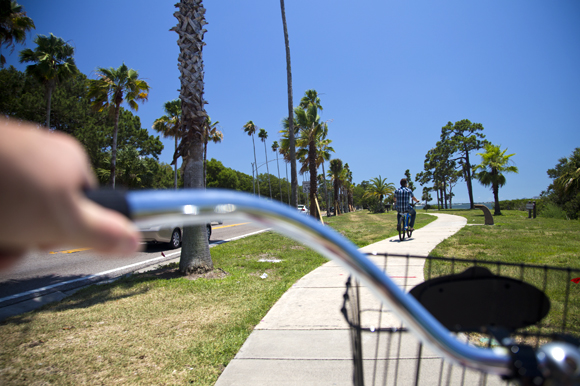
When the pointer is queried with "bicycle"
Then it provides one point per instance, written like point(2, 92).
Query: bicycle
point(403, 224)
point(554, 360)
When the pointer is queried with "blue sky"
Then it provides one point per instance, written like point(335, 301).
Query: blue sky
point(390, 74)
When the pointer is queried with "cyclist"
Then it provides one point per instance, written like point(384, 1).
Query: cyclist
point(403, 195)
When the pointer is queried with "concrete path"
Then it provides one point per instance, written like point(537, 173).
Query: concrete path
point(304, 339)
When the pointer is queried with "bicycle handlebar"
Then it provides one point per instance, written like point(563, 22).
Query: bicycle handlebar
point(190, 207)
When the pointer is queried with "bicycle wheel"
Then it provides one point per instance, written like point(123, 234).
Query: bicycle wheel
point(401, 227)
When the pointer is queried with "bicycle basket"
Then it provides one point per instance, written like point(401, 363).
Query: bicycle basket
point(385, 353)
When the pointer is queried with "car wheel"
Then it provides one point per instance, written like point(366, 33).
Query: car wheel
point(175, 239)
point(208, 231)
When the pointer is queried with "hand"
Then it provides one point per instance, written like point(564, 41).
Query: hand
point(42, 204)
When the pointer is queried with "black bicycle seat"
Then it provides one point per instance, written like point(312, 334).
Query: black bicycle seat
point(477, 298)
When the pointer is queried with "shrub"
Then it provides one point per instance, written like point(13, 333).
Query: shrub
point(551, 210)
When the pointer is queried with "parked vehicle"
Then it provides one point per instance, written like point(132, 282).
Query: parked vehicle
point(170, 235)
point(303, 209)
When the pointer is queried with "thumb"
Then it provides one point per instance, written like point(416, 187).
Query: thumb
point(106, 230)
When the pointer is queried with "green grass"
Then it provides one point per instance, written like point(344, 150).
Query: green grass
point(364, 228)
point(518, 240)
point(154, 328)
point(160, 328)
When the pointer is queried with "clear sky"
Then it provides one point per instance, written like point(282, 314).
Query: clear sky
point(390, 74)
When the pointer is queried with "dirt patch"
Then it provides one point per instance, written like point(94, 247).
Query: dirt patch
point(173, 273)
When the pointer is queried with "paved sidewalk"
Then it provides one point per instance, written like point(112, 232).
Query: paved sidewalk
point(304, 339)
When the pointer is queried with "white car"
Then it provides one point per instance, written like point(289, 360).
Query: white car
point(303, 209)
point(171, 235)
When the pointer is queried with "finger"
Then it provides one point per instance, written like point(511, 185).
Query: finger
point(105, 230)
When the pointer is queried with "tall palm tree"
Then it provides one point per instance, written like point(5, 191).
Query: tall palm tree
point(494, 162)
point(348, 188)
point(310, 97)
point(113, 87)
point(324, 155)
point(275, 147)
point(263, 134)
point(311, 135)
point(53, 62)
point(310, 129)
point(291, 139)
point(335, 174)
point(13, 26)
point(250, 129)
point(170, 125)
point(195, 254)
point(211, 134)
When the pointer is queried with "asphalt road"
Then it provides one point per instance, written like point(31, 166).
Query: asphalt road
point(65, 269)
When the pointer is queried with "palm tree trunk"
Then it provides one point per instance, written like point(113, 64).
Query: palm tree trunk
point(195, 254)
point(114, 147)
point(256, 163)
point(205, 162)
point(291, 139)
point(195, 247)
point(279, 180)
point(268, 169)
point(175, 167)
point(288, 182)
point(313, 185)
point(497, 211)
point(326, 191)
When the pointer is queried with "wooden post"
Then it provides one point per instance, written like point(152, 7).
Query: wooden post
point(318, 210)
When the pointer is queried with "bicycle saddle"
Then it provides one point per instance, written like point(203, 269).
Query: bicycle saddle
point(477, 299)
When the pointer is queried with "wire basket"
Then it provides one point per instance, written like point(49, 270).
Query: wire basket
point(384, 352)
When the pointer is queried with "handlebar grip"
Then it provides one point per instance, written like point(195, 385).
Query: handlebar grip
point(111, 199)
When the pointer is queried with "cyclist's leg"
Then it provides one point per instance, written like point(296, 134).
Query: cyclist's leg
point(398, 221)
point(413, 214)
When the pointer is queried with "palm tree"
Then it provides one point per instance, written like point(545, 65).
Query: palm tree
point(311, 129)
point(13, 26)
point(263, 134)
point(310, 132)
point(310, 97)
point(379, 188)
point(494, 163)
point(195, 254)
point(115, 86)
point(570, 173)
point(250, 129)
point(291, 139)
point(170, 125)
point(53, 63)
point(325, 151)
point(335, 174)
point(211, 134)
point(275, 147)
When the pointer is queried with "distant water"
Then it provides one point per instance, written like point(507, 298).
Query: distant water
point(461, 205)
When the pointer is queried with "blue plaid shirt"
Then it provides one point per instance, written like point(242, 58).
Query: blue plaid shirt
point(403, 196)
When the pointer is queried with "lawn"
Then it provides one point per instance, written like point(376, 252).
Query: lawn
point(516, 239)
point(160, 328)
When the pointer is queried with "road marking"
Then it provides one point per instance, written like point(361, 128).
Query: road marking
point(89, 277)
point(31, 292)
point(233, 225)
point(71, 251)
